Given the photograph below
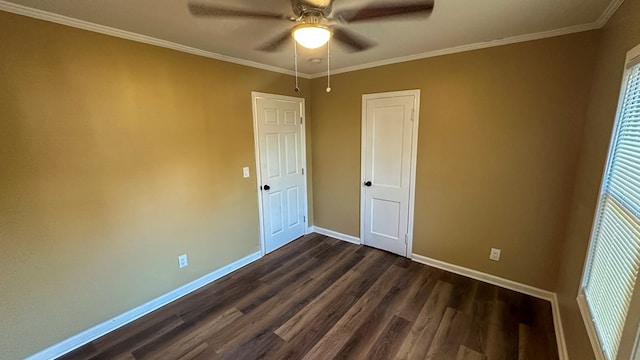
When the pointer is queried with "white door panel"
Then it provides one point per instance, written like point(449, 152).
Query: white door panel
point(387, 145)
point(390, 211)
point(388, 169)
point(279, 139)
point(275, 220)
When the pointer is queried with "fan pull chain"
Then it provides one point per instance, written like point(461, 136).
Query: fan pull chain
point(295, 61)
point(328, 67)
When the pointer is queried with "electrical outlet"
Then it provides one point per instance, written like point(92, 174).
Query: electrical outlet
point(495, 254)
point(182, 261)
point(245, 171)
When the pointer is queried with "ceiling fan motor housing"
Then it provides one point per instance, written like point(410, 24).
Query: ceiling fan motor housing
point(312, 20)
point(303, 8)
point(315, 22)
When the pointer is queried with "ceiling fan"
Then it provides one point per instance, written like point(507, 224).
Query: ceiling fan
point(315, 21)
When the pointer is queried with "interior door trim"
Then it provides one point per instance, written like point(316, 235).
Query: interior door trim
point(303, 136)
point(414, 152)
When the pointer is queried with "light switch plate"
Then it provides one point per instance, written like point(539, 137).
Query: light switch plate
point(245, 171)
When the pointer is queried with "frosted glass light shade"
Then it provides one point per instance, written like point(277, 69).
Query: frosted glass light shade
point(311, 36)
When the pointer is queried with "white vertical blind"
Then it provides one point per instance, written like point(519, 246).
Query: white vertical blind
point(615, 251)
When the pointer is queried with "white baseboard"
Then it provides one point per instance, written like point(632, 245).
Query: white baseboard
point(337, 235)
point(488, 278)
point(310, 230)
point(104, 328)
point(507, 284)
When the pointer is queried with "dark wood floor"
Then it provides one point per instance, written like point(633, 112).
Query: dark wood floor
point(321, 298)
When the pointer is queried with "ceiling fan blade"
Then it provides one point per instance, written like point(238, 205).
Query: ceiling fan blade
point(384, 11)
point(213, 11)
point(351, 41)
point(276, 43)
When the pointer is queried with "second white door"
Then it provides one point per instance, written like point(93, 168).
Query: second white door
point(280, 143)
point(389, 142)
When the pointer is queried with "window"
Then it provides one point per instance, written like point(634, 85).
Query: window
point(611, 269)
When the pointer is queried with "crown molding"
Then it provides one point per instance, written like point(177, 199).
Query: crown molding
point(106, 30)
point(608, 13)
point(85, 25)
point(598, 24)
point(469, 47)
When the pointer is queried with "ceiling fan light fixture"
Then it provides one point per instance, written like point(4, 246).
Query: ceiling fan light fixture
point(311, 36)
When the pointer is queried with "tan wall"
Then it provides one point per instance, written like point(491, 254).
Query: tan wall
point(115, 158)
point(498, 143)
point(620, 35)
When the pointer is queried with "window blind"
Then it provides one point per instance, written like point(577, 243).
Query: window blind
point(615, 251)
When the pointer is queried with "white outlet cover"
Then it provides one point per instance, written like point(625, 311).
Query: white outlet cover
point(182, 261)
point(495, 254)
point(245, 171)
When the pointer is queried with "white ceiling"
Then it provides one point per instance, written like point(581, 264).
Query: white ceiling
point(454, 25)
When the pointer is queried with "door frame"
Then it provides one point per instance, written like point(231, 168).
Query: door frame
point(414, 152)
point(255, 95)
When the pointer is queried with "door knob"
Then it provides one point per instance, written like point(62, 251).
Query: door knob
point(266, 187)
point(367, 183)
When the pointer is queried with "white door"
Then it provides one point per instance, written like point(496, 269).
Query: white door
point(389, 143)
point(279, 136)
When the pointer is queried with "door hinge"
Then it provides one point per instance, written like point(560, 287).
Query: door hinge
point(300, 119)
point(413, 114)
point(302, 171)
point(406, 239)
point(304, 219)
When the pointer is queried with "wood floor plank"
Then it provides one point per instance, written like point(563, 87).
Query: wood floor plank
point(386, 344)
point(258, 345)
point(417, 343)
point(262, 293)
point(464, 353)
point(335, 339)
point(127, 345)
point(362, 339)
point(307, 314)
point(244, 298)
point(188, 340)
point(484, 298)
point(531, 344)
point(502, 333)
point(319, 322)
point(372, 326)
point(544, 323)
point(371, 259)
point(321, 298)
point(334, 250)
point(277, 310)
point(232, 288)
point(328, 271)
point(464, 290)
point(83, 352)
point(194, 353)
point(305, 340)
point(372, 273)
point(452, 331)
point(306, 259)
point(425, 281)
point(291, 278)
point(251, 273)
